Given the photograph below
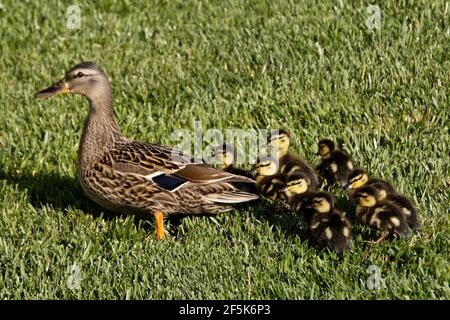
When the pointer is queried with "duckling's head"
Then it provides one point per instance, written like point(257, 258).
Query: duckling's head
point(358, 177)
point(326, 146)
point(86, 79)
point(224, 155)
point(296, 184)
point(322, 202)
point(266, 166)
point(280, 139)
point(367, 196)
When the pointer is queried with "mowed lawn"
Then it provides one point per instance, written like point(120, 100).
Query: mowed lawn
point(314, 67)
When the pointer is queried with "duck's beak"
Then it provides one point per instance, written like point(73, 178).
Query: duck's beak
point(60, 87)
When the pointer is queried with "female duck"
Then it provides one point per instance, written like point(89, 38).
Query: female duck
point(129, 176)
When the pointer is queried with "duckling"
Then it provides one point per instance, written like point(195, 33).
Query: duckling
point(382, 215)
point(386, 192)
point(224, 154)
point(327, 225)
point(268, 181)
point(336, 165)
point(405, 205)
point(320, 202)
point(359, 177)
point(297, 188)
point(289, 162)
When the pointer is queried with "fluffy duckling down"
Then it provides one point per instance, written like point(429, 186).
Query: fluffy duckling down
point(336, 165)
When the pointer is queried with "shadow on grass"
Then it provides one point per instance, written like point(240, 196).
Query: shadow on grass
point(283, 219)
point(59, 192)
point(64, 192)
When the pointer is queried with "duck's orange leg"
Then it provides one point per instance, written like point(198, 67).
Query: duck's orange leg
point(159, 219)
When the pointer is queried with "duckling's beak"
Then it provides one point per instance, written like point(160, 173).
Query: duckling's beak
point(347, 187)
point(286, 191)
point(60, 87)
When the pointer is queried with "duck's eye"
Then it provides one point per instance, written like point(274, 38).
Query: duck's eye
point(80, 74)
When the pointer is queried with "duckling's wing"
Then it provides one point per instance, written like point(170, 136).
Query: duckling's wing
point(407, 208)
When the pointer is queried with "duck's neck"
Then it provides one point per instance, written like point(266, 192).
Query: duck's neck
point(101, 132)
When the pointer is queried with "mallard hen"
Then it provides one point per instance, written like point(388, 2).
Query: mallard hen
point(127, 176)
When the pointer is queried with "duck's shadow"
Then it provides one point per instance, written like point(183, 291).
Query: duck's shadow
point(63, 192)
point(51, 189)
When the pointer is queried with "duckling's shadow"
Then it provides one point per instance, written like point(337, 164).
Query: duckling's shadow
point(282, 218)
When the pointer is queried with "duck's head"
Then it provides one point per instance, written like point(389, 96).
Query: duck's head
point(321, 202)
point(367, 196)
point(266, 166)
point(224, 155)
point(326, 146)
point(296, 184)
point(86, 79)
point(358, 177)
point(280, 140)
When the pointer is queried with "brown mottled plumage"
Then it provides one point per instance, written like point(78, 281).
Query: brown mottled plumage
point(129, 176)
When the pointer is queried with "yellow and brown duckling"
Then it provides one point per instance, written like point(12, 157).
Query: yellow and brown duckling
point(298, 186)
point(269, 181)
point(336, 165)
point(326, 224)
point(404, 203)
point(382, 215)
point(289, 162)
point(225, 156)
point(359, 178)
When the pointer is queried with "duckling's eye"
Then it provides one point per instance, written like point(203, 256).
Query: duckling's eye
point(80, 74)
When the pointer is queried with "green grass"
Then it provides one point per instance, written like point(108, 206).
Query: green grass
point(383, 94)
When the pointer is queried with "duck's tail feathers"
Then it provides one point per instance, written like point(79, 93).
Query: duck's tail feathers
point(230, 197)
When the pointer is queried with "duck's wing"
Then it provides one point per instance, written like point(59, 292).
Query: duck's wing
point(168, 168)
